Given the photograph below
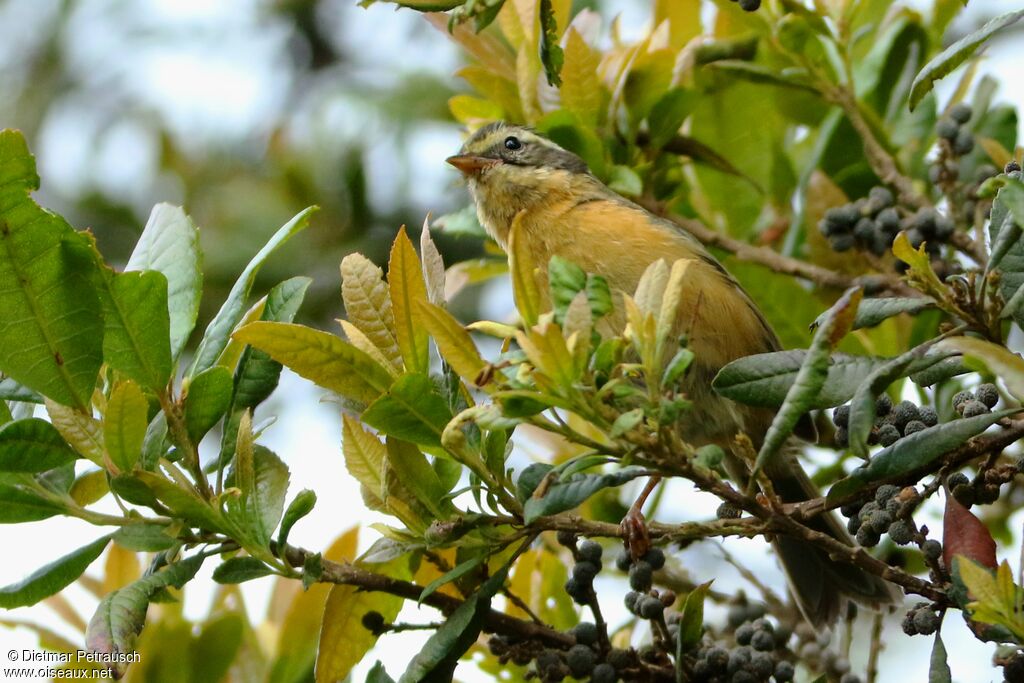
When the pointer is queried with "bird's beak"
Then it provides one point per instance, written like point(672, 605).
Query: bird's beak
point(470, 164)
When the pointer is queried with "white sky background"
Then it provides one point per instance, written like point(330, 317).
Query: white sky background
point(215, 81)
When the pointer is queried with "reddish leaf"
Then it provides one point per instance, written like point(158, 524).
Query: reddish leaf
point(964, 534)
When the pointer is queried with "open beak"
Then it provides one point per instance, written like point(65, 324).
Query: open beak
point(470, 164)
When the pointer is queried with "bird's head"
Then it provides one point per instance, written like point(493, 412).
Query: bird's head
point(511, 169)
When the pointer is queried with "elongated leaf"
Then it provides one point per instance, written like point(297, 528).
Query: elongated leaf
point(757, 73)
point(412, 409)
point(240, 570)
point(50, 318)
point(1007, 366)
point(215, 651)
point(955, 55)
point(413, 472)
point(124, 425)
point(259, 510)
point(32, 445)
point(915, 451)
point(453, 341)
point(940, 372)
point(143, 538)
point(89, 487)
point(408, 291)
point(136, 335)
point(365, 456)
point(83, 432)
point(1006, 238)
point(230, 313)
point(691, 624)
point(12, 391)
point(169, 244)
point(52, 578)
point(811, 376)
point(1011, 267)
point(459, 570)
point(551, 53)
point(207, 400)
point(524, 282)
point(122, 613)
point(433, 266)
point(368, 304)
point(300, 506)
point(565, 495)
point(581, 85)
point(323, 358)
point(871, 312)
point(182, 503)
point(21, 503)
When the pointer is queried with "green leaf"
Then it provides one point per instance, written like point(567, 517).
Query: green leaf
point(259, 510)
point(143, 538)
point(1011, 267)
point(124, 425)
point(915, 451)
point(940, 372)
point(938, 666)
point(32, 445)
point(323, 358)
point(461, 223)
point(551, 54)
point(565, 281)
point(811, 376)
point(871, 312)
point(53, 578)
point(136, 335)
point(183, 503)
point(240, 570)
point(12, 391)
point(231, 312)
point(668, 114)
point(413, 471)
point(122, 613)
point(458, 571)
point(169, 244)
point(412, 409)
point(955, 55)
point(207, 400)
point(438, 657)
point(756, 73)
point(565, 495)
point(691, 623)
point(50, 318)
point(377, 674)
point(21, 503)
point(215, 651)
point(300, 506)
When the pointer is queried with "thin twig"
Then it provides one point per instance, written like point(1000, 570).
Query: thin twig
point(876, 647)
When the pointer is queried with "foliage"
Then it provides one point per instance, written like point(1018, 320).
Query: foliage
point(788, 127)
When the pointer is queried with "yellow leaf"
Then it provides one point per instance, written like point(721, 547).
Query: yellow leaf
point(501, 91)
point(979, 581)
point(90, 487)
point(121, 568)
point(525, 289)
point(343, 638)
point(453, 342)
point(124, 425)
point(581, 86)
point(545, 346)
point(330, 361)
point(474, 111)
point(484, 46)
point(920, 273)
point(433, 266)
point(670, 303)
point(365, 456)
point(492, 329)
point(245, 473)
point(650, 291)
point(520, 18)
point(1002, 363)
point(368, 305)
point(83, 432)
point(405, 281)
point(995, 151)
point(300, 625)
point(233, 351)
point(528, 69)
point(683, 18)
point(364, 344)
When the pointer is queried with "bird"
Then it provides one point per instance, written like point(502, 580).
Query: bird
point(515, 174)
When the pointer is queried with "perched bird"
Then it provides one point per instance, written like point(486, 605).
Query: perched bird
point(565, 211)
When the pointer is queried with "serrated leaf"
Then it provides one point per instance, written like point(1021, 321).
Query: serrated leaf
point(300, 506)
point(207, 400)
point(412, 409)
point(368, 304)
point(915, 451)
point(240, 570)
point(50, 317)
point(955, 55)
point(219, 330)
point(259, 510)
point(980, 581)
point(405, 282)
point(32, 445)
point(433, 266)
point(1007, 366)
point(453, 341)
point(124, 425)
point(52, 578)
point(169, 244)
point(565, 495)
point(323, 358)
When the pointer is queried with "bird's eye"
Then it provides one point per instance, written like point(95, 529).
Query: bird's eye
point(513, 143)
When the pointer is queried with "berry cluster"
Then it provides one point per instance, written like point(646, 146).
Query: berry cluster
point(891, 512)
point(816, 653)
point(922, 619)
point(892, 423)
point(950, 128)
point(580, 585)
point(749, 5)
point(982, 400)
point(758, 655)
point(870, 223)
point(643, 600)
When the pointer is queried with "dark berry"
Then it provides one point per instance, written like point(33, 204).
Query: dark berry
point(762, 665)
point(883, 404)
point(584, 572)
point(585, 633)
point(739, 659)
point(926, 622)
point(604, 673)
point(763, 641)
point(743, 676)
point(960, 112)
point(750, 5)
point(867, 536)
point(549, 664)
point(987, 394)
point(888, 220)
point(640, 576)
point(590, 551)
point(717, 658)
point(881, 197)
point(947, 129)
point(850, 509)
point(964, 494)
point(900, 532)
point(885, 492)
point(914, 426)
point(373, 622)
point(736, 615)
point(623, 561)
point(849, 678)
point(842, 242)
point(1011, 167)
point(784, 672)
point(728, 511)
point(964, 142)
point(961, 398)
point(581, 660)
point(566, 538)
point(577, 590)
point(928, 416)
point(842, 438)
point(943, 228)
point(956, 479)
point(932, 549)
point(829, 226)
point(654, 557)
point(915, 237)
point(975, 408)
point(841, 416)
point(903, 413)
point(853, 525)
point(651, 608)
point(879, 521)
point(864, 230)
point(888, 435)
point(869, 508)
point(745, 633)
point(631, 600)
point(620, 658)
point(988, 494)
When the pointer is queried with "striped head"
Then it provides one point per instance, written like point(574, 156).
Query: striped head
point(511, 169)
